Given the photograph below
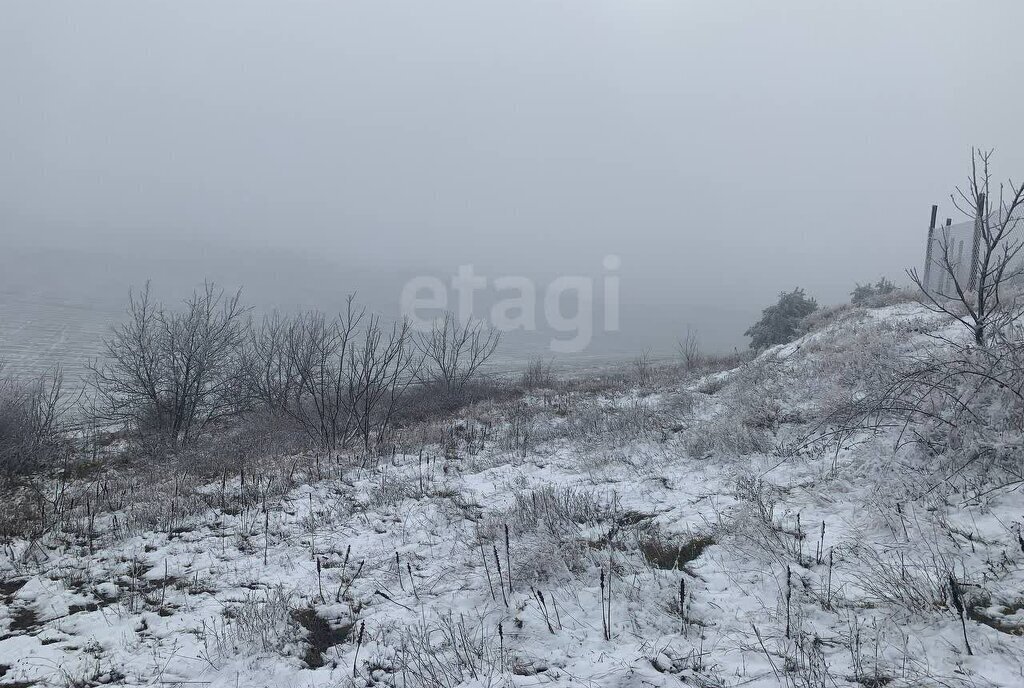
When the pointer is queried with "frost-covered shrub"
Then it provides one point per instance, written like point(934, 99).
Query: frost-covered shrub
point(30, 415)
point(754, 526)
point(556, 509)
point(537, 375)
point(848, 314)
point(963, 404)
point(847, 365)
point(717, 362)
point(542, 556)
point(863, 293)
point(678, 404)
point(643, 369)
point(726, 435)
point(424, 403)
point(16, 429)
point(548, 531)
point(390, 489)
point(712, 384)
point(612, 424)
point(246, 440)
point(758, 395)
point(449, 652)
point(824, 317)
point(894, 297)
point(263, 622)
point(917, 582)
point(780, 322)
point(610, 381)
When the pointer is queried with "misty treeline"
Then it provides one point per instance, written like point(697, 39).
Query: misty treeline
point(171, 374)
point(347, 378)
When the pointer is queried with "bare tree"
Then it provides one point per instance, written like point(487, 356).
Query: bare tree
point(689, 350)
point(977, 299)
point(338, 379)
point(269, 375)
point(383, 368)
point(173, 372)
point(453, 352)
point(643, 368)
point(537, 375)
point(323, 393)
point(32, 413)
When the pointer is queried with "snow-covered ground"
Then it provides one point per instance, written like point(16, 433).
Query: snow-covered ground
point(496, 548)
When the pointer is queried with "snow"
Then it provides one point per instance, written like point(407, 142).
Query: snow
point(198, 605)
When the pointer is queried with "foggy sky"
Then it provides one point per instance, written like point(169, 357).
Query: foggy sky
point(725, 151)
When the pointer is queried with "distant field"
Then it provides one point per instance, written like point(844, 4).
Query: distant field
point(39, 331)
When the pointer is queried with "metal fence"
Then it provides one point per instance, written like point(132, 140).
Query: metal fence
point(949, 246)
point(949, 251)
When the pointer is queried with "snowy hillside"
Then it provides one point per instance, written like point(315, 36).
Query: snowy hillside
point(773, 524)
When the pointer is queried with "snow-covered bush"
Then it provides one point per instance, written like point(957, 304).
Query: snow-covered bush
point(825, 317)
point(390, 489)
point(717, 362)
point(678, 404)
point(864, 293)
point(780, 322)
point(726, 435)
point(252, 437)
point(558, 510)
point(548, 532)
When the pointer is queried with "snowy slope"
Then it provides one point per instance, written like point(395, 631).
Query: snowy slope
point(797, 565)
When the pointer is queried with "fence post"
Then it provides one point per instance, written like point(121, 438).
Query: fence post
point(928, 250)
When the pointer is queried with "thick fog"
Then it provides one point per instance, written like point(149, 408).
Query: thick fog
point(721, 152)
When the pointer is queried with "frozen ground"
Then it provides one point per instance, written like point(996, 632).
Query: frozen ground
point(494, 549)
